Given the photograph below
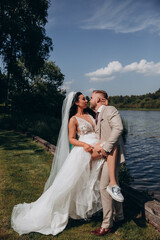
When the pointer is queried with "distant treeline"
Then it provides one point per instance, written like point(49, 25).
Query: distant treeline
point(148, 101)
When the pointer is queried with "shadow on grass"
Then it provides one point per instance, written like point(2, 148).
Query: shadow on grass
point(136, 201)
point(131, 213)
point(95, 219)
point(10, 140)
point(135, 213)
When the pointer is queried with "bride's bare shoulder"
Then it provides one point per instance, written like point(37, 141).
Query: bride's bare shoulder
point(73, 120)
point(72, 124)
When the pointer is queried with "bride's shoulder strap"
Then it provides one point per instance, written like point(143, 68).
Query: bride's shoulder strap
point(73, 118)
point(79, 120)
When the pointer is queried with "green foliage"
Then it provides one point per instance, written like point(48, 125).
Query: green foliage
point(23, 34)
point(36, 102)
point(23, 37)
point(40, 93)
point(44, 126)
point(147, 101)
point(124, 175)
point(51, 73)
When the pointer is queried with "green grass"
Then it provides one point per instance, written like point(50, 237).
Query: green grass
point(24, 168)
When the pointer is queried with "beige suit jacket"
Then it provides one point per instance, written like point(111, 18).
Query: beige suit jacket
point(109, 129)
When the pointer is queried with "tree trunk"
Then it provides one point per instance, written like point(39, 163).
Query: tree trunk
point(7, 91)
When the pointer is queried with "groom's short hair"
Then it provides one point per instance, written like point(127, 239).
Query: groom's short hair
point(104, 93)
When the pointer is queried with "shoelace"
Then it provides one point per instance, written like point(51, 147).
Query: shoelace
point(116, 190)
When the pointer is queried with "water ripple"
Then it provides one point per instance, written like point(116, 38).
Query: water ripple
point(143, 149)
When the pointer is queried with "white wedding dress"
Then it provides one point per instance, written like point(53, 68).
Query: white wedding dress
point(74, 192)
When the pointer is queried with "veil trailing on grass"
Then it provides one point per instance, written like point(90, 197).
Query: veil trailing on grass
point(62, 148)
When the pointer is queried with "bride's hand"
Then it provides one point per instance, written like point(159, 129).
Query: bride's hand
point(88, 148)
point(97, 151)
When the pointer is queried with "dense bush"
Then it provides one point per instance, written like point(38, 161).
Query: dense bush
point(45, 126)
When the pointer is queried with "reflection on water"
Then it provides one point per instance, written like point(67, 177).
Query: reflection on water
point(143, 149)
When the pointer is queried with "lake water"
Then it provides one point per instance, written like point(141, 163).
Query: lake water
point(143, 149)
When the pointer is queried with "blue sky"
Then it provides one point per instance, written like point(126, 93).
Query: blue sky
point(112, 45)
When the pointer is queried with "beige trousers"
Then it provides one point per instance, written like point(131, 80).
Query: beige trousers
point(111, 208)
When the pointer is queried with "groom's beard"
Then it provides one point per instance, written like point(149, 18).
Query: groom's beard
point(93, 107)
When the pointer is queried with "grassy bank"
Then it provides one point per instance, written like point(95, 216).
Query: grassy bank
point(24, 168)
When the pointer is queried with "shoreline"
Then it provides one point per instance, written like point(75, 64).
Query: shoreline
point(139, 109)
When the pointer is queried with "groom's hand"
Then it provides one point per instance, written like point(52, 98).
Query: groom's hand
point(104, 101)
point(95, 155)
point(88, 148)
point(103, 153)
point(99, 152)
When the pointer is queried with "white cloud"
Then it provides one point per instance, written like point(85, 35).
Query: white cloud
point(125, 16)
point(144, 67)
point(101, 79)
point(107, 73)
point(67, 85)
point(112, 67)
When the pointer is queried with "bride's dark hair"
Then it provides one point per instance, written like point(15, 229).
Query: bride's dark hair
point(73, 109)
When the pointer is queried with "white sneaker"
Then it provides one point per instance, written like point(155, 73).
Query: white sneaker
point(115, 193)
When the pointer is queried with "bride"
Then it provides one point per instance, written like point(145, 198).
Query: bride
point(72, 189)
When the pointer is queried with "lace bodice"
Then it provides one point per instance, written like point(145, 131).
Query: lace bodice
point(84, 126)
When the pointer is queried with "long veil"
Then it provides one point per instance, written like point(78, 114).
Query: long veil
point(62, 148)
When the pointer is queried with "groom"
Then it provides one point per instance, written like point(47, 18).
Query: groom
point(108, 130)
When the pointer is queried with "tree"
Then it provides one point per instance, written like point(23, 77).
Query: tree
point(149, 100)
point(40, 93)
point(52, 74)
point(3, 81)
point(23, 36)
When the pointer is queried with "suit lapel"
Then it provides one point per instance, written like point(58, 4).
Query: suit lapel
point(98, 126)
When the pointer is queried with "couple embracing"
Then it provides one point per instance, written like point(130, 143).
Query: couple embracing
point(83, 180)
